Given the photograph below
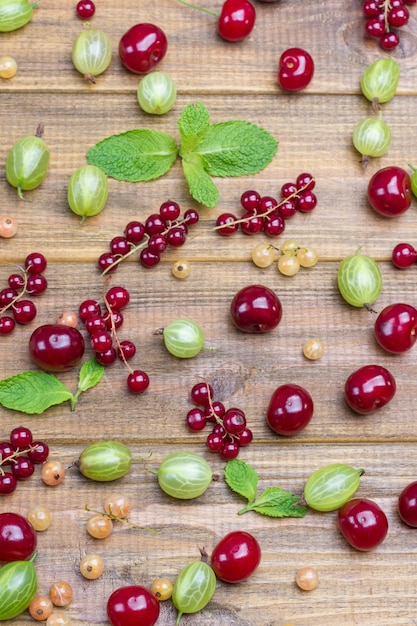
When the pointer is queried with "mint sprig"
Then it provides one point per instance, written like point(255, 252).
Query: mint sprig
point(33, 391)
point(273, 501)
point(233, 148)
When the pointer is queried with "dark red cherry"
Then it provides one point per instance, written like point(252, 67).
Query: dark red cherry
point(389, 191)
point(407, 504)
point(369, 388)
point(142, 47)
point(290, 409)
point(256, 309)
point(296, 69)
point(236, 556)
point(396, 327)
point(18, 538)
point(363, 524)
point(132, 605)
point(56, 347)
point(236, 20)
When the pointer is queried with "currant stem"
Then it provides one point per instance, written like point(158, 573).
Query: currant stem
point(113, 327)
point(19, 295)
point(16, 454)
point(194, 6)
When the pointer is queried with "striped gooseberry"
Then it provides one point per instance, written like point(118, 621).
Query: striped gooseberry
point(87, 191)
point(18, 585)
point(184, 475)
point(156, 93)
point(91, 53)
point(328, 488)
point(359, 280)
point(380, 80)
point(183, 338)
point(14, 14)
point(105, 461)
point(27, 162)
point(371, 137)
point(193, 588)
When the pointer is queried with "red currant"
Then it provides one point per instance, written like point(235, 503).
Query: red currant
point(85, 9)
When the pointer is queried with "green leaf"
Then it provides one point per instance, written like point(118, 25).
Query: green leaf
point(275, 502)
point(135, 155)
point(236, 148)
point(90, 374)
point(32, 392)
point(241, 478)
point(200, 185)
point(193, 125)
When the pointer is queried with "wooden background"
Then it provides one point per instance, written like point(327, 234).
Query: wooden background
point(314, 128)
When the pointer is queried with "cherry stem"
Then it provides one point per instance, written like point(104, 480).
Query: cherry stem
point(194, 6)
point(269, 211)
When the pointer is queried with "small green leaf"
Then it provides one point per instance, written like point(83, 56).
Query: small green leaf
point(200, 185)
point(241, 478)
point(135, 155)
point(32, 392)
point(236, 148)
point(275, 502)
point(193, 125)
point(90, 374)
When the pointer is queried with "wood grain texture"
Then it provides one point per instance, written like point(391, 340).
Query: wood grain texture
point(314, 129)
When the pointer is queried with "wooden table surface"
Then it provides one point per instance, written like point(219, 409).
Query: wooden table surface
point(314, 130)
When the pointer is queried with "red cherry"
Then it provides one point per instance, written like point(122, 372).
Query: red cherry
point(18, 538)
point(236, 556)
point(56, 347)
point(236, 20)
point(131, 606)
point(389, 191)
point(142, 47)
point(256, 309)
point(369, 388)
point(407, 504)
point(296, 69)
point(290, 409)
point(362, 523)
point(396, 327)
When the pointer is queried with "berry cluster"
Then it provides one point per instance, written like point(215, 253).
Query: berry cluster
point(383, 17)
point(265, 213)
point(29, 280)
point(291, 256)
point(404, 255)
point(150, 238)
point(102, 326)
point(229, 432)
point(20, 454)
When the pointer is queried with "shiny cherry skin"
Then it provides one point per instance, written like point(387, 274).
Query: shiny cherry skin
point(290, 409)
point(236, 20)
point(236, 556)
point(363, 524)
point(142, 47)
point(56, 347)
point(18, 538)
point(369, 388)
point(131, 606)
point(403, 255)
point(407, 504)
point(256, 309)
point(296, 69)
point(389, 191)
point(395, 327)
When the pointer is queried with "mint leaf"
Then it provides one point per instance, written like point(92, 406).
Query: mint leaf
point(193, 125)
point(275, 502)
point(241, 478)
point(32, 392)
point(90, 374)
point(135, 155)
point(236, 148)
point(200, 185)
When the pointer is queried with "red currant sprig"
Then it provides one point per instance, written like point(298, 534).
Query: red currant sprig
point(383, 18)
point(229, 432)
point(20, 455)
point(149, 239)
